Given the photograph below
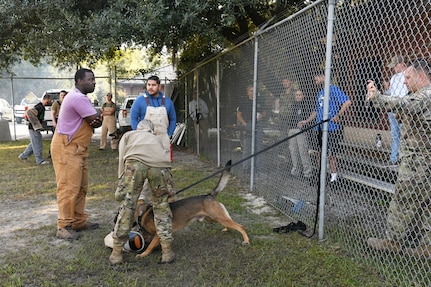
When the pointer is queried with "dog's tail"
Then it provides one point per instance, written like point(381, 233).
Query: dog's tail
point(224, 178)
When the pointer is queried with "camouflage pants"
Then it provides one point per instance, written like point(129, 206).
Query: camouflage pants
point(146, 190)
point(409, 215)
point(128, 190)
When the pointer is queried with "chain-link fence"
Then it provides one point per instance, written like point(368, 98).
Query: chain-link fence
point(25, 89)
point(375, 189)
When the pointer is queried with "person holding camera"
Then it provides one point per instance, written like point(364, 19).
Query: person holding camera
point(409, 212)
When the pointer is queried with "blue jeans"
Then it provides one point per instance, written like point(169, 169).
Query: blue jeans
point(395, 133)
point(34, 147)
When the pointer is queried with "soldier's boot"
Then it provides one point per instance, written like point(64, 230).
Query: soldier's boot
point(116, 255)
point(168, 256)
point(383, 245)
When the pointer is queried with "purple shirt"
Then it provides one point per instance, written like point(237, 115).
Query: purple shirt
point(75, 107)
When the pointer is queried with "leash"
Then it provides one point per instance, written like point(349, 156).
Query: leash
point(316, 215)
point(252, 155)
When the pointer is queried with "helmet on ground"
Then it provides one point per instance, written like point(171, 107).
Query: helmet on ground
point(135, 243)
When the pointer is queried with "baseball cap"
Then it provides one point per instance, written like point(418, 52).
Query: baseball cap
point(394, 61)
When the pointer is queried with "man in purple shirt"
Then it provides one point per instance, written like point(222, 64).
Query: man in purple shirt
point(69, 153)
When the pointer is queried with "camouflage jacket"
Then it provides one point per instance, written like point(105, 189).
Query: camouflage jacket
point(415, 112)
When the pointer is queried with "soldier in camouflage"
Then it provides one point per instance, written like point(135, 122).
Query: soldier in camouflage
point(409, 214)
point(143, 156)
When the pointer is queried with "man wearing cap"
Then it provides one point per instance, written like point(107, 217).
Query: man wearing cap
point(108, 111)
point(408, 227)
point(395, 88)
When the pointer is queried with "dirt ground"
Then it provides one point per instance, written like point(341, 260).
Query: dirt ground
point(43, 211)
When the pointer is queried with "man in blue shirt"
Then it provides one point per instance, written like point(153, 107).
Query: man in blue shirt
point(339, 102)
point(155, 106)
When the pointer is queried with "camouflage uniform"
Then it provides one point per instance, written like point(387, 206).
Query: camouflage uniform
point(409, 216)
point(142, 155)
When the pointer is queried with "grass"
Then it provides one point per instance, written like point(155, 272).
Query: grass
point(205, 256)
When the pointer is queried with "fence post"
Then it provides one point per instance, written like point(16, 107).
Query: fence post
point(329, 35)
point(218, 111)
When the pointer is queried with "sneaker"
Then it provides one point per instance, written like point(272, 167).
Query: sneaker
point(67, 233)
point(44, 162)
point(88, 226)
point(333, 177)
point(22, 159)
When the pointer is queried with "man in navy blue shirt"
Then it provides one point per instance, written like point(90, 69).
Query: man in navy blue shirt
point(339, 102)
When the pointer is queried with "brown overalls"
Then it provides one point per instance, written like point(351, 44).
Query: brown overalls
point(70, 160)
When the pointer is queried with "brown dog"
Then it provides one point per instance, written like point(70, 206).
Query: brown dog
point(195, 208)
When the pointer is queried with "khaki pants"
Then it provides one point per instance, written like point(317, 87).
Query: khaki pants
point(70, 162)
point(298, 147)
point(108, 126)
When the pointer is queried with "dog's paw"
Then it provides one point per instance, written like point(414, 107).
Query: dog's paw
point(244, 243)
point(225, 229)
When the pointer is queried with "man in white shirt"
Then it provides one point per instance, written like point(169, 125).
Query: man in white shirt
point(395, 88)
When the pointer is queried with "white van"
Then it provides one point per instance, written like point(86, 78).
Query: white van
point(124, 114)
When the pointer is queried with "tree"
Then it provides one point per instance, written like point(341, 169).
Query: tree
point(71, 32)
